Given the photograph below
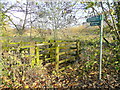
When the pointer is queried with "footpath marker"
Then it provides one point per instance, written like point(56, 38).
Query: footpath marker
point(98, 21)
point(94, 19)
point(95, 23)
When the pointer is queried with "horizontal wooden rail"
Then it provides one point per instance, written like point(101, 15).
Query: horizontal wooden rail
point(63, 68)
point(26, 46)
point(65, 60)
point(48, 50)
point(61, 53)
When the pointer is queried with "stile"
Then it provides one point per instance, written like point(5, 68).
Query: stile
point(53, 52)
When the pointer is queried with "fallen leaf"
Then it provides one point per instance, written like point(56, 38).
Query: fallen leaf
point(26, 86)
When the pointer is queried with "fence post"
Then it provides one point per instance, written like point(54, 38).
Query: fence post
point(57, 57)
point(32, 49)
point(78, 49)
point(32, 52)
point(38, 62)
point(50, 51)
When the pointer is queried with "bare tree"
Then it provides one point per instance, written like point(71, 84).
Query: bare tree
point(55, 15)
point(111, 14)
point(43, 15)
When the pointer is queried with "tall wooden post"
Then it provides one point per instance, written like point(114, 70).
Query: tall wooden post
point(50, 51)
point(38, 60)
point(37, 55)
point(32, 52)
point(32, 49)
point(78, 49)
point(57, 57)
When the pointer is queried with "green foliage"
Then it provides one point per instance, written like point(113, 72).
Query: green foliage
point(89, 5)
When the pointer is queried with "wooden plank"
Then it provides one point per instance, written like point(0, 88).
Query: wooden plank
point(64, 47)
point(65, 60)
point(57, 58)
point(33, 55)
point(65, 44)
point(64, 68)
point(44, 53)
point(54, 49)
point(47, 64)
point(32, 49)
point(46, 59)
point(14, 43)
point(41, 44)
point(50, 48)
point(37, 56)
point(32, 52)
point(61, 53)
point(26, 46)
point(78, 50)
point(25, 42)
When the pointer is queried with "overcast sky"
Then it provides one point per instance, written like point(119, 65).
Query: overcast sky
point(21, 14)
point(81, 13)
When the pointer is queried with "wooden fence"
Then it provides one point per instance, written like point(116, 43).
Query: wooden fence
point(57, 53)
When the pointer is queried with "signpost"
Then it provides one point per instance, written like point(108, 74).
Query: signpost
point(95, 23)
point(94, 19)
point(98, 21)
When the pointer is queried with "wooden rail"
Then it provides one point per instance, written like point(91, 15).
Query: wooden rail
point(57, 52)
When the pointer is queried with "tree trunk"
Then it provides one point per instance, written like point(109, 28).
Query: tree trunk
point(117, 10)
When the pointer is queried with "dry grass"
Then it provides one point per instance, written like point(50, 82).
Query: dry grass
point(78, 32)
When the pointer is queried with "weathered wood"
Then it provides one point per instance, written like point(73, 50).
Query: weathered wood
point(52, 50)
point(32, 52)
point(32, 49)
point(38, 62)
point(67, 43)
point(65, 60)
point(27, 47)
point(63, 68)
point(57, 57)
point(61, 53)
point(78, 49)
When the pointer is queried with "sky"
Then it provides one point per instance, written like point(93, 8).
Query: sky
point(55, 0)
point(21, 15)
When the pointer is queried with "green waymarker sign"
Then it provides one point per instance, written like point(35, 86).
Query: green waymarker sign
point(98, 21)
point(95, 23)
point(95, 19)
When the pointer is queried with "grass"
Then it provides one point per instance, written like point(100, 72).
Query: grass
point(72, 33)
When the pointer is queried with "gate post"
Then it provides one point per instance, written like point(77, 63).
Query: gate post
point(50, 51)
point(32, 53)
point(78, 49)
point(57, 57)
point(38, 62)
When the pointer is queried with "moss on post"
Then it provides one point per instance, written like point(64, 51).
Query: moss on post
point(57, 57)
